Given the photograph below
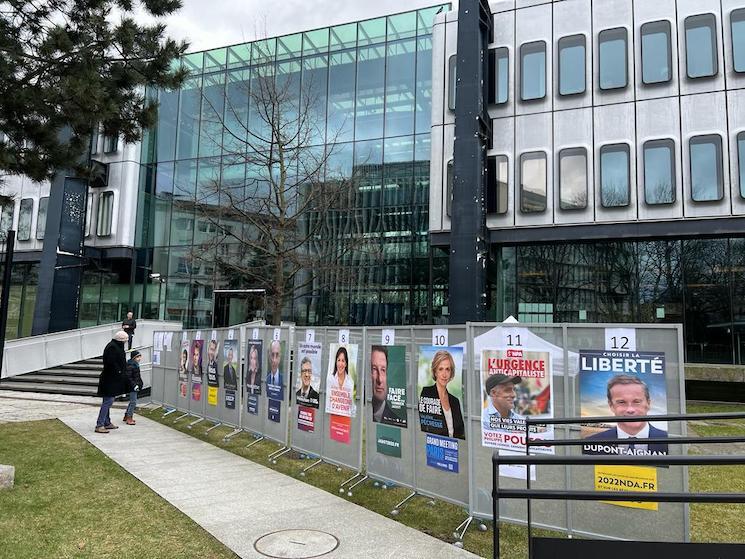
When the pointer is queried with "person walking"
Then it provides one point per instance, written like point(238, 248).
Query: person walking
point(113, 380)
point(128, 325)
point(135, 381)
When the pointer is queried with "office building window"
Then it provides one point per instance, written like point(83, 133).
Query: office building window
point(451, 82)
point(656, 54)
point(572, 65)
point(706, 168)
point(449, 178)
point(659, 172)
point(613, 58)
point(533, 71)
point(7, 206)
point(105, 213)
point(533, 182)
point(701, 46)
point(614, 176)
point(499, 65)
point(573, 179)
point(110, 144)
point(41, 218)
point(88, 216)
point(24, 219)
point(740, 161)
point(737, 28)
point(497, 182)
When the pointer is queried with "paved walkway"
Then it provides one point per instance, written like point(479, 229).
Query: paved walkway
point(239, 501)
point(30, 406)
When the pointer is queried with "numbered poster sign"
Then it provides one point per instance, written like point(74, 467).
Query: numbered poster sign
point(388, 337)
point(276, 335)
point(255, 334)
point(343, 336)
point(440, 337)
point(620, 339)
point(310, 336)
point(231, 334)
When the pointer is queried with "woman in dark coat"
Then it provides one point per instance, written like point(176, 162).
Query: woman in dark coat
point(113, 380)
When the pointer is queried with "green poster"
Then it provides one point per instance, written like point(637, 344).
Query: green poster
point(388, 440)
point(388, 381)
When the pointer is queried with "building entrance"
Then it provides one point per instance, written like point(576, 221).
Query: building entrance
point(236, 306)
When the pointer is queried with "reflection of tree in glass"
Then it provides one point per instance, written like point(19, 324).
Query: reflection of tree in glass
point(614, 194)
point(659, 193)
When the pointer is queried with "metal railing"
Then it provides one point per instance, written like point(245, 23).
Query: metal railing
point(529, 460)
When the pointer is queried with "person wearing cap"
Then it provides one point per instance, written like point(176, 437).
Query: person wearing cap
point(113, 379)
point(135, 381)
point(501, 391)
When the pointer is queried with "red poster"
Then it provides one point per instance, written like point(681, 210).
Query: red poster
point(340, 428)
point(306, 418)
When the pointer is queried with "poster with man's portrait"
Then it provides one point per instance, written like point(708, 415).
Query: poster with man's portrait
point(230, 360)
point(308, 385)
point(388, 384)
point(440, 387)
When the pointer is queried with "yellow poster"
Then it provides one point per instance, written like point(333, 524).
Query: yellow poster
point(627, 478)
point(212, 395)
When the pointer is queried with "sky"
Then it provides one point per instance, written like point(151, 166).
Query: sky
point(207, 24)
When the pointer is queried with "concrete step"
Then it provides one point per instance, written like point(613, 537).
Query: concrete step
point(48, 388)
point(45, 376)
point(82, 366)
point(68, 372)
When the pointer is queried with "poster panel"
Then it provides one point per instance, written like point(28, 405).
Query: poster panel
point(388, 382)
point(253, 413)
point(228, 372)
point(212, 377)
point(183, 369)
point(308, 384)
point(195, 368)
point(275, 380)
point(341, 381)
point(440, 388)
point(273, 402)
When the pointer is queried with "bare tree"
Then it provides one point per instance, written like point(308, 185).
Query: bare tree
point(280, 207)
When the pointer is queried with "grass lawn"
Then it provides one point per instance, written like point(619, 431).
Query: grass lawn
point(70, 500)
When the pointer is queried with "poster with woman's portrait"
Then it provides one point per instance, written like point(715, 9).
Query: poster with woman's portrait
point(341, 380)
point(195, 366)
point(440, 387)
point(183, 369)
point(253, 366)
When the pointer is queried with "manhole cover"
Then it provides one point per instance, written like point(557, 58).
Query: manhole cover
point(296, 544)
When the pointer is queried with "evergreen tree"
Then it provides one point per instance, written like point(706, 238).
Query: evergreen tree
point(72, 64)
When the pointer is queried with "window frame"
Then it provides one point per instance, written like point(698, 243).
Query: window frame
point(704, 139)
point(28, 203)
point(492, 186)
point(656, 27)
point(452, 81)
point(529, 156)
point(736, 16)
point(41, 224)
point(103, 197)
point(612, 34)
point(449, 181)
point(578, 39)
point(660, 142)
point(569, 152)
point(533, 47)
point(615, 148)
point(741, 161)
point(495, 55)
point(712, 24)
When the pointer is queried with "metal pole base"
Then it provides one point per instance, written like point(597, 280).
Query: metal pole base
point(229, 436)
point(397, 508)
point(274, 456)
point(179, 418)
point(156, 408)
point(465, 524)
point(194, 423)
point(169, 412)
point(349, 492)
point(355, 476)
point(307, 468)
point(216, 425)
point(257, 440)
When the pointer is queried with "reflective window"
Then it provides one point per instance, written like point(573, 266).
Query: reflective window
point(423, 85)
point(737, 22)
point(613, 58)
point(533, 182)
point(701, 46)
point(188, 118)
point(533, 71)
point(497, 182)
point(6, 215)
point(41, 218)
point(24, 219)
point(340, 123)
point(400, 87)
point(706, 168)
point(740, 161)
point(572, 65)
point(659, 172)
point(370, 92)
point(499, 64)
point(110, 144)
point(656, 54)
point(614, 175)
point(573, 179)
point(449, 178)
point(451, 82)
point(105, 212)
point(88, 211)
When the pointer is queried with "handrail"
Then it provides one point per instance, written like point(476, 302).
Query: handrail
point(616, 460)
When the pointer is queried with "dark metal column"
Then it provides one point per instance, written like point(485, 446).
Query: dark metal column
point(10, 242)
point(468, 239)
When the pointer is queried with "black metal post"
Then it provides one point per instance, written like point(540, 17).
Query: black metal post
point(5, 300)
point(495, 503)
point(468, 234)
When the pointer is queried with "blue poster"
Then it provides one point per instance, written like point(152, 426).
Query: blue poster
point(442, 453)
point(252, 404)
point(230, 399)
point(274, 410)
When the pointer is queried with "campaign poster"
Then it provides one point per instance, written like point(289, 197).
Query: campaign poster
point(340, 429)
point(230, 364)
point(306, 419)
point(274, 410)
point(440, 387)
point(212, 395)
point(515, 384)
point(252, 404)
point(341, 380)
point(254, 350)
point(229, 399)
point(622, 383)
point(388, 382)
point(195, 367)
point(442, 453)
point(183, 369)
point(275, 376)
point(212, 353)
point(308, 383)
point(388, 440)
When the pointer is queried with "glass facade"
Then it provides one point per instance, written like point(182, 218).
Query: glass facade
point(572, 65)
point(367, 89)
point(613, 58)
point(656, 53)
